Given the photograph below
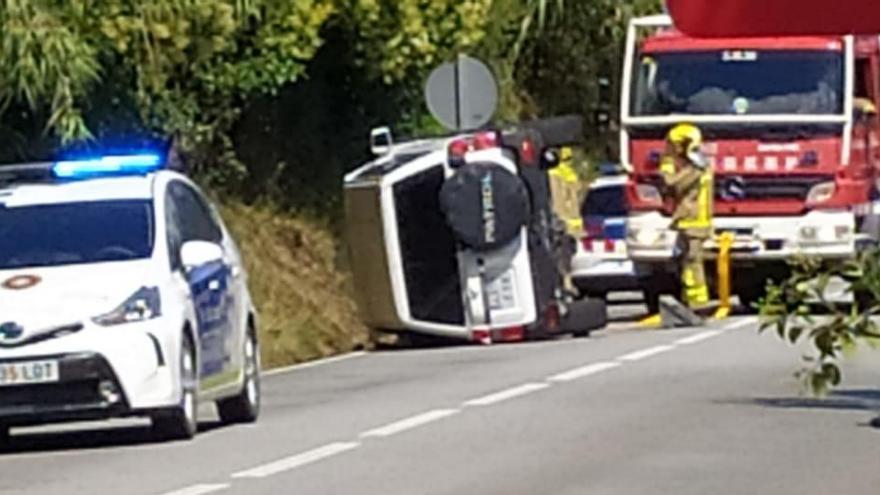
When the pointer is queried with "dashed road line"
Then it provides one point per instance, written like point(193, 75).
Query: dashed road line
point(584, 371)
point(298, 460)
point(510, 393)
point(740, 323)
point(410, 423)
point(646, 353)
point(693, 339)
point(200, 489)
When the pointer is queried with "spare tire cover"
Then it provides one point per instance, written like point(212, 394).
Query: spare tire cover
point(485, 205)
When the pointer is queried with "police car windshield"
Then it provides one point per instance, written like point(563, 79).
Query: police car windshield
point(75, 233)
point(605, 201)
point(739, 83)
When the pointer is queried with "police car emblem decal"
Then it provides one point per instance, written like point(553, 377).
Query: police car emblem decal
point(488, 208)
point(10, 331)
point(21, 282)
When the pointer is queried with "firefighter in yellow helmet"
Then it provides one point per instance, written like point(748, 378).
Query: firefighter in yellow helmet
point(688, 181)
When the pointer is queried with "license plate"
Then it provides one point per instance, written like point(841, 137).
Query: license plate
point(28, 373)
point(502, 293)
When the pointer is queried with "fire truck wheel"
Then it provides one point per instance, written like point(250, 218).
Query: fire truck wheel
point(485, 205)
point(749, 298)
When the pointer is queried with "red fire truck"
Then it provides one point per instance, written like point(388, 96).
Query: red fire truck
point(790, 130)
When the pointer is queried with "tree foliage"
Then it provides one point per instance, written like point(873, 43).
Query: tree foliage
point(789, 309)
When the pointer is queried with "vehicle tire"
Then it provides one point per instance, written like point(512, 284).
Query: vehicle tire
point(4, 434)
point(245, 407)
point(181, 422)
point(659, 285)
point(749, 297)
point(584, 316)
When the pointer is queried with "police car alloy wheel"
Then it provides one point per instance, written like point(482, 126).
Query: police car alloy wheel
point(181, 422)
point(245, 407)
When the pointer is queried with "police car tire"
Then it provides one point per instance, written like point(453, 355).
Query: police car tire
point(464, 206)
point(584, 316)
point(245, 407)
point(181, 422)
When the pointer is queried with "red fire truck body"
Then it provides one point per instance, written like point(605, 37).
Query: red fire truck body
point(789, 131)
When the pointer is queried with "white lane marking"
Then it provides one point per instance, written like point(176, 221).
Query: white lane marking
point(590, 369)
point(313, 364)
point(693, 339)
point(298, 460)
point(488, 400)
point(410, 423)
point(646, 353)
point(741, 323)
point(199, 489)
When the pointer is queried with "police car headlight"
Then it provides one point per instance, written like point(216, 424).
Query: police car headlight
point(143, 305)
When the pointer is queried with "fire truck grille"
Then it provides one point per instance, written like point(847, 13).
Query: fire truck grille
point(732, 188)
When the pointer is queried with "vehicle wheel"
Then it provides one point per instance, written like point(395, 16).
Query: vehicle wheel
point(585, 316)
point(245, 407)
point(749, 297)
point(4, 434)
point(181, 421)
point(656, 286)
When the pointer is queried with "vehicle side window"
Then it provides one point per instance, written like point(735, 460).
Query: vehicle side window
point(196, 220)
point(173, 231)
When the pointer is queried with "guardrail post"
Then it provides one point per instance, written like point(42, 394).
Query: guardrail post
point(725, 242)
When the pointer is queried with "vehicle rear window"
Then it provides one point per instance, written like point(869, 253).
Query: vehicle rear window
point(606, 201)
point(75, 233)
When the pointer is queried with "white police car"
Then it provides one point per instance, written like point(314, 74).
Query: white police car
point(121, 294)
point(601, 264)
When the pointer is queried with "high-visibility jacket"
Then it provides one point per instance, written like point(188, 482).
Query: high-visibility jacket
point(692, 190)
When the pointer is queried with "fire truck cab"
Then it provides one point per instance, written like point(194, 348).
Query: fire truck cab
point(791, 131)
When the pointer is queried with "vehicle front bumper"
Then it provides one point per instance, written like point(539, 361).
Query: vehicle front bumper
point(77, 395)
point(821, 234)
point(136, 358)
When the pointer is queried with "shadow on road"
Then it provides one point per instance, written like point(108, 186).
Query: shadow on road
point(842, 400)
point(115, 437)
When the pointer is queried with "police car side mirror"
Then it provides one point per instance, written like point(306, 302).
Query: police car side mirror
point(194, 254)
point(381, 141)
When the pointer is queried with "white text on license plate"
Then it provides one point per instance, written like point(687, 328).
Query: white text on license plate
point(25, 373)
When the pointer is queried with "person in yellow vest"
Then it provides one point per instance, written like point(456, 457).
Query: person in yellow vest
point(688, 181)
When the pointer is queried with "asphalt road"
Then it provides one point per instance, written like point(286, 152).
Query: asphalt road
point(628, 411)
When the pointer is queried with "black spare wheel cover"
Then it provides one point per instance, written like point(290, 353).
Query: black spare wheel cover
point(485, 205)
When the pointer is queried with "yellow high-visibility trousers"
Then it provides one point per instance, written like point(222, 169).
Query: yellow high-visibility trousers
point(695, 291)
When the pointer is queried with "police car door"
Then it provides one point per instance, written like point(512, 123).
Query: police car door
point(210, 285)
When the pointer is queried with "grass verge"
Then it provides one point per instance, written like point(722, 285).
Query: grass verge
point(304, 301)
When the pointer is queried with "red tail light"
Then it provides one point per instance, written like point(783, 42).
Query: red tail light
point(609, 245)
point(485, 141)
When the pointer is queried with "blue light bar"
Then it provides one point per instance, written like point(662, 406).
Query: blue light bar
point(107, 165)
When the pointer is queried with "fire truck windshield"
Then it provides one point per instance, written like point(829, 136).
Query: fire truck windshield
point(739, 82)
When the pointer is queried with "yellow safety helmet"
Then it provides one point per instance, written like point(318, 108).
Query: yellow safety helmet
point(687, 140)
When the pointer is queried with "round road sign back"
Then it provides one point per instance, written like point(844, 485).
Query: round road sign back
point(462, 95)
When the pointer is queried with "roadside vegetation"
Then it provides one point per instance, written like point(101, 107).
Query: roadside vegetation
point(269, 102)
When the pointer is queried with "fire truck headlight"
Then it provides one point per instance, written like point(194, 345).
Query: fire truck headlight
point(842, 231)
point(821, 192)
point(809, 232)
